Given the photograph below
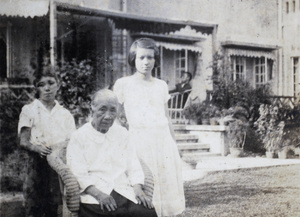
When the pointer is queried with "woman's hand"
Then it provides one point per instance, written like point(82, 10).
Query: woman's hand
point(141, 197)
point(107, 201)
point(103, 199)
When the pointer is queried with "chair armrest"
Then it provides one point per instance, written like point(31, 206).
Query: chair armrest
point(148, 186)
point(68, 179)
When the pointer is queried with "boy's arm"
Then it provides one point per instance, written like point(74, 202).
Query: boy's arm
point(41, 149)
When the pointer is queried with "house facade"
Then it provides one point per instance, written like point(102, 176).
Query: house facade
point(258, 37)
point(290, 53)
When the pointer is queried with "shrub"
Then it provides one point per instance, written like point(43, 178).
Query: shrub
point(193, 111)
point(237, 131)
point(12, 157)
point(269, 127)
point(78, 82)
point(9, 116)
point(227, 93)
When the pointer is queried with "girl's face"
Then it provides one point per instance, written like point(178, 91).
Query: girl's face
point(144, 60)
point(47, 88)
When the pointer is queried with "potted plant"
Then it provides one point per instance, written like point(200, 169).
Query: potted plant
point(205, 114)
point(201, 112)
point(285, 147)
point(193, 112)
point(214, 115)
point(236, 133)
point(209, 113)
point(270, 129)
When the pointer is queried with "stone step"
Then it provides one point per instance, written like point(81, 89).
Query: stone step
point(11, 204)
point(182, 138)
point(193, 146)
point(193, 158)
point(177, 122)
point(180, 129)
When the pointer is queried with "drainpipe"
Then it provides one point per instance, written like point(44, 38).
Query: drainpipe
point(214, 40)
point(124, 5)
point(53, 32)
point(280, 78)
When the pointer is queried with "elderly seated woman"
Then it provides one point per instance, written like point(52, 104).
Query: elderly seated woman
point(106, 166)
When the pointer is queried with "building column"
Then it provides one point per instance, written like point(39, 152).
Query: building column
point(53, 32)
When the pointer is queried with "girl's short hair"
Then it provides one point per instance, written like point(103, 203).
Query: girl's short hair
point(147, 43)
point(45, 72)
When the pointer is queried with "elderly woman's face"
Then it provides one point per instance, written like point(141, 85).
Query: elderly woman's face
point(104, 112)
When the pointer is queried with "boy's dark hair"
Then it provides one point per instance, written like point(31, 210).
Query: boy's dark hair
point(188, 73)
point(45, 72)
point(147, 43)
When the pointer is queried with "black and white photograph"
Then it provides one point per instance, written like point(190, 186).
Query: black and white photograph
point(149, 108)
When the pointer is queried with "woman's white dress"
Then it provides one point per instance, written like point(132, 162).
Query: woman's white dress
point(144, 103)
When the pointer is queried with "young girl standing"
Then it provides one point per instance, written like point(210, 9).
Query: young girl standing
point(43, 126)
point(145, 102)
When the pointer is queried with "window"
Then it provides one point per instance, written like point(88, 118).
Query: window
point(238, 65)
point(287, 7)
point(260, 71)
point(181, 63)
point(294, 6)
point(5, 51)
point(296, 76)
point(119, 51)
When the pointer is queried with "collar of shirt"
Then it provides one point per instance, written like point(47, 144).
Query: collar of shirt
point(101, 137)
point(39, 104)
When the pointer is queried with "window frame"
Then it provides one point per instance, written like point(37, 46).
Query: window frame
point(242, 63)
point(263, 74)
point(296, 71)
point(7, 27)
point(178, 57)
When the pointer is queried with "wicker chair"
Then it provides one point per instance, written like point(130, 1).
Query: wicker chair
point(57, 161)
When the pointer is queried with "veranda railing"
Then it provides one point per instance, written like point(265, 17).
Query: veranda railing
point(176, 105)
point(22, 93)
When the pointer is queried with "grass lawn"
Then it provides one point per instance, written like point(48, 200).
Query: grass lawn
point(273, 191)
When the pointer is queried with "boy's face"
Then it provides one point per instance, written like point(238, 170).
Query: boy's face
point(47, 88)
point(185, 78)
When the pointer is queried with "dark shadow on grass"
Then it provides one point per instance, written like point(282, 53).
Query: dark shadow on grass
point(224, 193)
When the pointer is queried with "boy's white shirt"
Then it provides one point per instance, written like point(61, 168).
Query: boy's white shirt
point(47, 127)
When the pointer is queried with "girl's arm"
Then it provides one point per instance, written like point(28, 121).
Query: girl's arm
point(170, 123)
point(41, 149)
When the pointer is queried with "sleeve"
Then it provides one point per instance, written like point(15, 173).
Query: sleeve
point(25, 119)
point(70, 125)
point(78, 165)
point(166, 94)
point(134, 169)
point(118, 90)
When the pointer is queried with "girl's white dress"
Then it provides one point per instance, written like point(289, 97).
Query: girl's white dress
point(144, 104)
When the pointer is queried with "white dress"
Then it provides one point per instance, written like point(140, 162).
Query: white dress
point(144, 104)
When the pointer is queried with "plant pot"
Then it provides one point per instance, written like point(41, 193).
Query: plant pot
point(270, 154)
point(205, 121)
point(282, 154)
point(236, 152)
point(193, 121)
point(214, 121)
